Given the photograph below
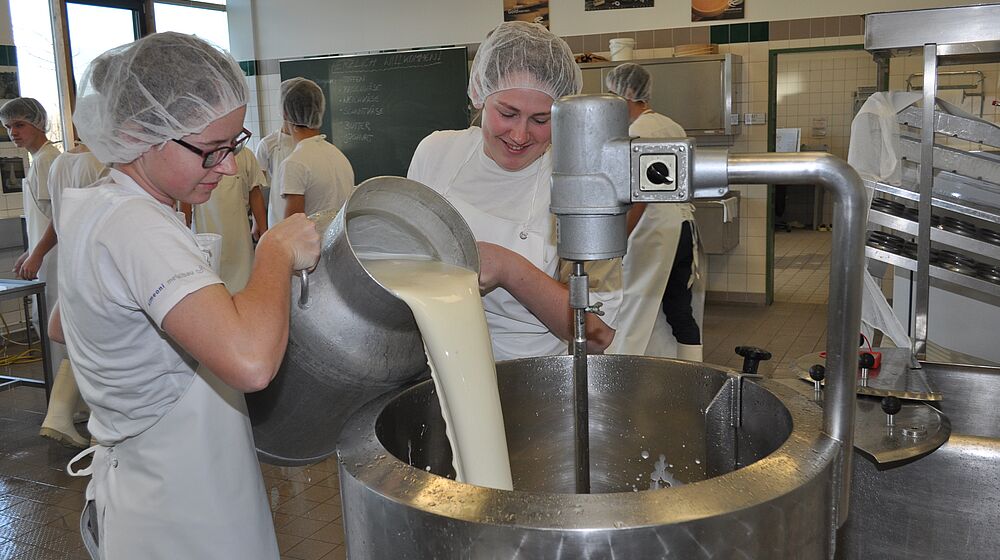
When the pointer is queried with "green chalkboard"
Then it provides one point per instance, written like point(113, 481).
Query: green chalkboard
point(380, 106)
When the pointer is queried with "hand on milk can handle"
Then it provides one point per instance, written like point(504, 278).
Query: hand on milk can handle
point(300, 238)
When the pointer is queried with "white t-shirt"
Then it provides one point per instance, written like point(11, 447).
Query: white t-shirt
point(225, 213)
point(35, 192)
point(126, 261)
point(272, 150)
point(72, 171)
point(319, 171)
point(499, 206)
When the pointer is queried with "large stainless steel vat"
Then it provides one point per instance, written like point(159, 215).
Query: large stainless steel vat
point(754, 466)
point(353, 340)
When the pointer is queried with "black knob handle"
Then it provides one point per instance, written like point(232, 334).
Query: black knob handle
point(891, 405)
point(817, 372)
point(658, 173)
point(866, 360)
point(752, 356)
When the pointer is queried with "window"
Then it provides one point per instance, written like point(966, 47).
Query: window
point(95, 29)
point(210, 24)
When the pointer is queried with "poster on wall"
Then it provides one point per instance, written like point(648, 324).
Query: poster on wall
point(591, 5)
point(9, 88)
point(531, 11)
point(708, 10)
point(11, 174)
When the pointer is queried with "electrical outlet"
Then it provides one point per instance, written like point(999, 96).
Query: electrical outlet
point(754, 118)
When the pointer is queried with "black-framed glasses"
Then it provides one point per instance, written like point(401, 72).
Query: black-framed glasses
point(215, 157)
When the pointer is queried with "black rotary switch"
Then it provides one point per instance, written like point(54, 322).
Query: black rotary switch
point(659, 174)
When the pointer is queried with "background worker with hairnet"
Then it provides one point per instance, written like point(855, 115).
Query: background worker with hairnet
point(316, 176)
point(162, 352)
point(661, 262)
point(498, 176)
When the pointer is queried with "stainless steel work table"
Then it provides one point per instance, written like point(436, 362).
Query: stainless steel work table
point(11, 289)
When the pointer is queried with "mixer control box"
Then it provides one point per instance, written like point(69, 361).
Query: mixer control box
point(661, 170)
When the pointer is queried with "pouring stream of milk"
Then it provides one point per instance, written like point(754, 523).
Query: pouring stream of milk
point(446, 304)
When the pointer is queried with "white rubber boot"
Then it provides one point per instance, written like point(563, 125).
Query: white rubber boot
point(58, 424)
point(689, 352)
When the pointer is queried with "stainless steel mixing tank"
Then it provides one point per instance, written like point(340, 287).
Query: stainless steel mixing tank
point(749, 465)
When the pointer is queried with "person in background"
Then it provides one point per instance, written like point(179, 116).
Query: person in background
point(316, 176)
point(661, 261)
point(271, 151)
point(498, 178)
point(225, 213)
point(76, 168)
point(162, 351)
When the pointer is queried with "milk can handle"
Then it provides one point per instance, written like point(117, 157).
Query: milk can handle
point(304, 292)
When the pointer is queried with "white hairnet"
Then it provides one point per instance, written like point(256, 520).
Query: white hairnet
point(26, 109)
point(631, 81)
point(162, 87)
point(518, 54)
point(302, 102)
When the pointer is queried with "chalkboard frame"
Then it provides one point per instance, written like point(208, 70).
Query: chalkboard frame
point(383, 143)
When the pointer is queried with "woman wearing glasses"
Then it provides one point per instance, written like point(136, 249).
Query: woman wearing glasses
point(162, 352)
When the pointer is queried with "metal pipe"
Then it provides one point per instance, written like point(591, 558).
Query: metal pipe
point(579, 302)
point(846, 265)
point(923, 289)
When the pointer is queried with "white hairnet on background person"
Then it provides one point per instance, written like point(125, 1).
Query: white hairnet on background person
point(302, 102)
point(25, 109)
point(518, 54)
point(162, 87)
point(631, 81)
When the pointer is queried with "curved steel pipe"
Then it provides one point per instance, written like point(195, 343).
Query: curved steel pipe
point(846, 264)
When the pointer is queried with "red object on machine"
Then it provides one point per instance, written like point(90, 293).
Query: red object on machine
point(876, 355)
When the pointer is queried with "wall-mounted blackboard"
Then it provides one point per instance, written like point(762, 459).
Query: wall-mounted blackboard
point(380, 106)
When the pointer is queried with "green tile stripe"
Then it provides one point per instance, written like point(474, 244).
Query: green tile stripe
point(740, 33)
point(249, 67)
point(8, 55)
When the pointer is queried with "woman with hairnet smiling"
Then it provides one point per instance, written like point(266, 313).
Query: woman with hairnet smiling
point(161, 349)
point(497, 177)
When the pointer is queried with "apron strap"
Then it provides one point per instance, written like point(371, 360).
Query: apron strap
point(82, 472)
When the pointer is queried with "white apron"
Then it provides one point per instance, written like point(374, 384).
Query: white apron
point(188, 487)
point(529, 238)
point(642, 327)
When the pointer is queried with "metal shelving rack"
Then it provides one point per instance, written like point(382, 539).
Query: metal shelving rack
point(965, 183)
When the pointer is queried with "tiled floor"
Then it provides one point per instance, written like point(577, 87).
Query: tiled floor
point(40, 503)
point(801, 266)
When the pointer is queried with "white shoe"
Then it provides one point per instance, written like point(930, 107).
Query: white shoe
point(689, 352)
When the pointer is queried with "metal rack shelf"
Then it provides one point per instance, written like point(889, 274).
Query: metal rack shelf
point(971, 210)
point(935, 272)
point(946, 177)
point(974, 165)
point(972, 130)
point(941, 236)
